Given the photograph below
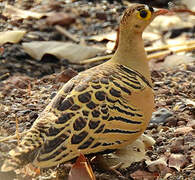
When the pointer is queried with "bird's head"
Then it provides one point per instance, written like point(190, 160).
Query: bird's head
point(137, 17)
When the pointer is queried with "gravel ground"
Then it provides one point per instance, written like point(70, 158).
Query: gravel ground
point(27, 86)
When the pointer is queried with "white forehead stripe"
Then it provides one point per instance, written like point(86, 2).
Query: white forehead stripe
point(146, 7)
point(155, 9)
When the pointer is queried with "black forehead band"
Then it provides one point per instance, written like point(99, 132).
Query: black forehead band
point(143, 7)
point(151, 9)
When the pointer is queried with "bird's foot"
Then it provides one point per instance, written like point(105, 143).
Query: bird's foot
point(99, 161)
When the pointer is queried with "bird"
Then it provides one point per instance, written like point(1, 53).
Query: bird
point(101, 109)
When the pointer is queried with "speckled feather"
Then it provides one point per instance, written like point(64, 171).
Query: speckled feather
point(92, 113)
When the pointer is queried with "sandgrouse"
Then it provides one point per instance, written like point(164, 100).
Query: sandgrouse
point(99, 110)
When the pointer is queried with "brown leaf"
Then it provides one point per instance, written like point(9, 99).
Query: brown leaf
point(177, 161)
point(143, 175)
point(81, 170)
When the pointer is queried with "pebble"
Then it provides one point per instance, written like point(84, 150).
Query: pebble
point(60, 18)
point(181, 123)
point(160, 116)
point(33, 115)
point(171, 121)
point(23, 112)
point(101, 15)
point(177, 146)
point(183, 130)
point(53, 94)
point(159, 141)
point(161, 150)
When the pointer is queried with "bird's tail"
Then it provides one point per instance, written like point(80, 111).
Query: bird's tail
point(25, 152)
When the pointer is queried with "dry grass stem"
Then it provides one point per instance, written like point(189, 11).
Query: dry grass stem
point(190, 44)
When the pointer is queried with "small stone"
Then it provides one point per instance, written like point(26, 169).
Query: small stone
point(171, 121)
point(159, 141)
point(183, 130)
point(160, 116)
point(181, 123)
point(4, 147)
point(169, 101)
point(191, 124)
point(31, 106)
point(23, 112)
point(33, 115)
point(53, 94)
point(177, 146)
point(60, 18)
point(162, 150)
point(101, 15)
point(66, 75)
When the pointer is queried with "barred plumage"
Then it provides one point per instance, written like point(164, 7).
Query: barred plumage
point(99, 110)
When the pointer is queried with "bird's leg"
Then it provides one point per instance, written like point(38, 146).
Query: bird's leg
point(100, 162)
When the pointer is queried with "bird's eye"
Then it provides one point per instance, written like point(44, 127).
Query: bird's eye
point(144, 14)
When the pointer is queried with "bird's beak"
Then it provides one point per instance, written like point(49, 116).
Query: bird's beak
point(160, 11)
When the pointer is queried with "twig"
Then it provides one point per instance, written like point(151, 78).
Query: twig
point(29, 89)
point(17, 132)
point(152, 49)
point(66, 33)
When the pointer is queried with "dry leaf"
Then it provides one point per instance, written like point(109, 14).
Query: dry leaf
point(16, 14)
point(11, 36)
point(164, 22)
point(150, 36)
point(111, 36)
point(132, 153)
point(81, 170)
point(189, 3)
point(173, 61)
point(160, 166)
point(72, 52)
point(157, 165)
point(143, 175)
point(177, 161)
